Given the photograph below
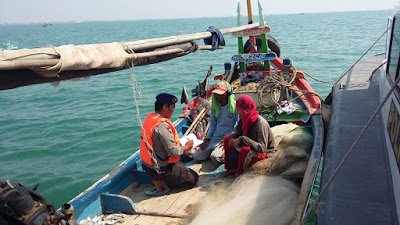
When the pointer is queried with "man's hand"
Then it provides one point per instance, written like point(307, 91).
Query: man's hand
point(189, 145)
point(234, 143)
point(205, 144)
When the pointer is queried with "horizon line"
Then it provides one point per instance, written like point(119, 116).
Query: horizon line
point(147, 19)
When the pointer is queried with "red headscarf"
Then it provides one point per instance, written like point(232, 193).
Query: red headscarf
point(247, 104)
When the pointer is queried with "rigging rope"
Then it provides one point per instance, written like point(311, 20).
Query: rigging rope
point(362, 56)
point(304, 92)
point(322, 81)
point(315, 203)
point(383, 63)
point(331, 81)
point(134, 88)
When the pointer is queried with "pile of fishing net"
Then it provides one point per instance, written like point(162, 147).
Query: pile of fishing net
point(237, 87)
point(250, 199)
point(290, 160)
point(254, 198)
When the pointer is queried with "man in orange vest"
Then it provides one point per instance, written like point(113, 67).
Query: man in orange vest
point(160, 149)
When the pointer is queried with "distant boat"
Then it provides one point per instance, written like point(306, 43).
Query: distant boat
point(301, 13)
point(47, 25)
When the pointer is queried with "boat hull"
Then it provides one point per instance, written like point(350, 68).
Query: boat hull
point(107, 194)
point(369, 178)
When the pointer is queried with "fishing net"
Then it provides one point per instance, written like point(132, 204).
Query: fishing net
point(250, 199)
point(290, 160)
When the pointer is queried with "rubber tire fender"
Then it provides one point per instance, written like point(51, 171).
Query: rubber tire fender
point(273, 45)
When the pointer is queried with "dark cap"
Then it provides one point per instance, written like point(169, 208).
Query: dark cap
point(167, 98)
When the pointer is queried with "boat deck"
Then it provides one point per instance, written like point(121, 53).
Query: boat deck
point(362, 192)
point(179, 202)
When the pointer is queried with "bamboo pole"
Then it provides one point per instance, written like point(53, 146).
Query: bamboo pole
point(165, 41)
point(48, 56)
point(187, 97)
point(12, 61)
point(156, 53)
point(229, 77)
point(32, 63)
point(159, 214)
point(208, 79)
point(50, 53)
point(205, 131)
point(27, 62)
point(208, 47)
point(194, 124)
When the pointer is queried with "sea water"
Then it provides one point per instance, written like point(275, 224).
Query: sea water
point(68, 137)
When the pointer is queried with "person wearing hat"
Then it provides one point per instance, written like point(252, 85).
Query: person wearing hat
point(160, 149)
point(223, 119)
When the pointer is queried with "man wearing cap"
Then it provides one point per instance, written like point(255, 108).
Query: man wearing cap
point(223, 120)
point(160, 149)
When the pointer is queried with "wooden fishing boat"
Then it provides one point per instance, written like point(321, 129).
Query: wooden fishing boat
point(122, 190)
point(280, 86)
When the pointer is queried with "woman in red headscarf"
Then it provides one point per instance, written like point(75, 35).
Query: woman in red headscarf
point(251, 141)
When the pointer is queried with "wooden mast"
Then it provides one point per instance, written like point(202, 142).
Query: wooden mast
point(240, 39)
point(252, 39)
point(263, 37)
point(249, 12)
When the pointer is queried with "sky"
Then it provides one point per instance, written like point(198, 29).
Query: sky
point(40, 11)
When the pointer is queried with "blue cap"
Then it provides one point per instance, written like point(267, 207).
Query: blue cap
point(167, 98)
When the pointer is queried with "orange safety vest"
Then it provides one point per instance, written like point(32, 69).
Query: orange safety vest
point(149, 124)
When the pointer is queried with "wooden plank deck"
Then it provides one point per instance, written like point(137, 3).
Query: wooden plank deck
point(180, 201)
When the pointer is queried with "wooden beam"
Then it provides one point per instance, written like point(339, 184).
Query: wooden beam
point(47, 53)
point(165, 41)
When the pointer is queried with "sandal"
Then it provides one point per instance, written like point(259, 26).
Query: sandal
point(164, 190)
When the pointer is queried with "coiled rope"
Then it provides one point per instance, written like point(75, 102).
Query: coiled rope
point(275, 85)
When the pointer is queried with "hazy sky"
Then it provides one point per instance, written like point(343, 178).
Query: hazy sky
point(34, 11)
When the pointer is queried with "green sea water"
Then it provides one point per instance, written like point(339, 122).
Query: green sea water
point(68, 137)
